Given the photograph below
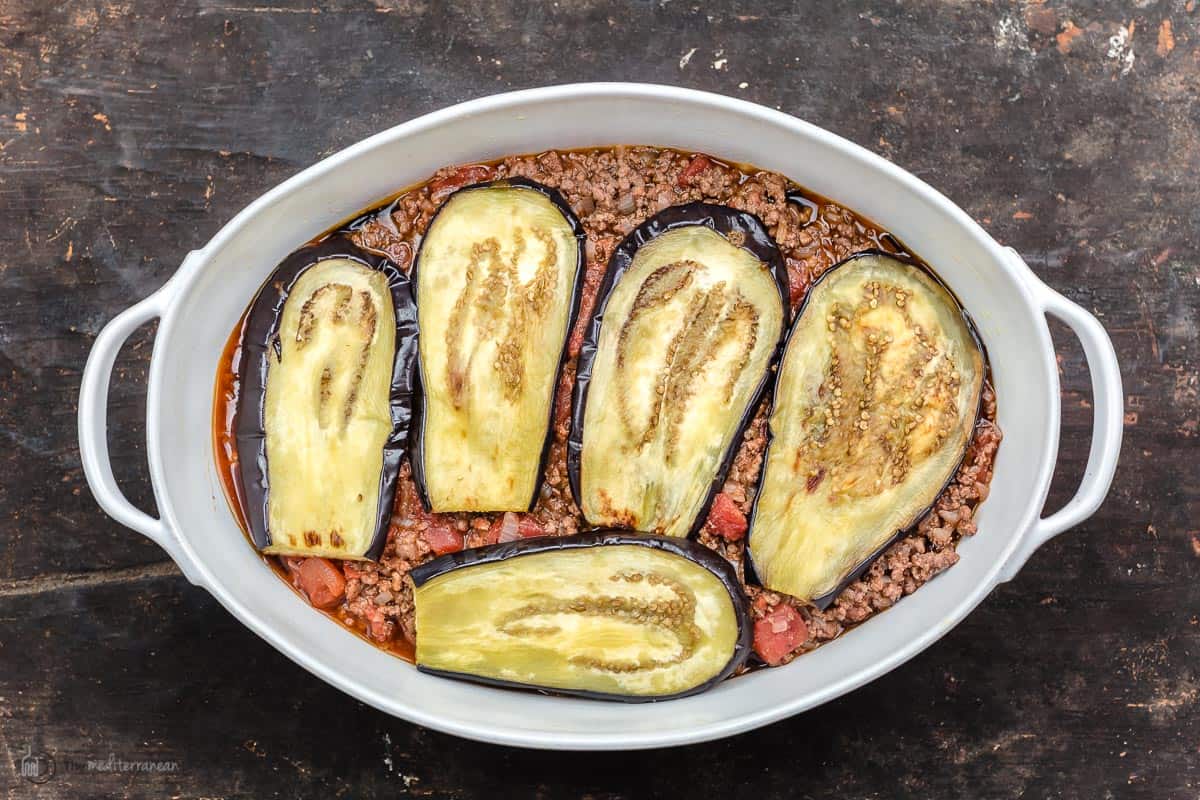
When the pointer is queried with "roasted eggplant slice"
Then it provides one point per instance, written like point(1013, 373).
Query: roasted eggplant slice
point(326, 381)
point(688, 319)
point(497, 281)
point(876, 400)
point(606, 615)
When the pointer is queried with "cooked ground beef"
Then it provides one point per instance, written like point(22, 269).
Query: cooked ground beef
point(913, 559)
point(612, 191)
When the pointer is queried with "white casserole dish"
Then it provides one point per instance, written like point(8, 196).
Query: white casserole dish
point(200, 305)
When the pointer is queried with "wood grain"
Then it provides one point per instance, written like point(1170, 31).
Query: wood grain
point(131, 130)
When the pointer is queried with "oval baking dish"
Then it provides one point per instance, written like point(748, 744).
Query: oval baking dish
point(206, 297)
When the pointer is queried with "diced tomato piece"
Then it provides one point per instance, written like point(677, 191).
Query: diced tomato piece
point(698, 164)
point(778, 634)
point(799, 280)
point(321, 581)
point(408, 508)
point(493, 533)
point(529, 529)
point(463, 176)
point(442, 539)
point(726, 519)
point(520, 526)
point(379, 627)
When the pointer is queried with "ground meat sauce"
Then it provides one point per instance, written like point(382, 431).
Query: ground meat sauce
point(613, 190)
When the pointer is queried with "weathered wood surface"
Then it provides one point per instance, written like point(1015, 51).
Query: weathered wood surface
point(130, 130)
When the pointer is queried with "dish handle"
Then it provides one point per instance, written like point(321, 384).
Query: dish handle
point(93, 425)
point(1108, 412)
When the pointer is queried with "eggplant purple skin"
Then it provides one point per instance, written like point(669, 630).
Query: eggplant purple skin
point(824, 601)
point(417, 457)
point(260, 340)
point(724, 220)
point(685, 548)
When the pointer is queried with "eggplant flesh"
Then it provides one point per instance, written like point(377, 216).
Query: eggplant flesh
point(325, 387)
point(875, 404)
point(326, 412)
point(602, 615)
point(681, 357)
point(498, 278)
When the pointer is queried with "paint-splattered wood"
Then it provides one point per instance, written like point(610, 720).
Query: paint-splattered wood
point(130, 130)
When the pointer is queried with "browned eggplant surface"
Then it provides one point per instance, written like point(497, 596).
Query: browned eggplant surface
point(327, 379)
point(876, 401)
point(687, 322)
point(497, 287)
point(607, 615)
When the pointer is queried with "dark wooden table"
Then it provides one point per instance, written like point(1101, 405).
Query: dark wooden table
point(131, 130)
